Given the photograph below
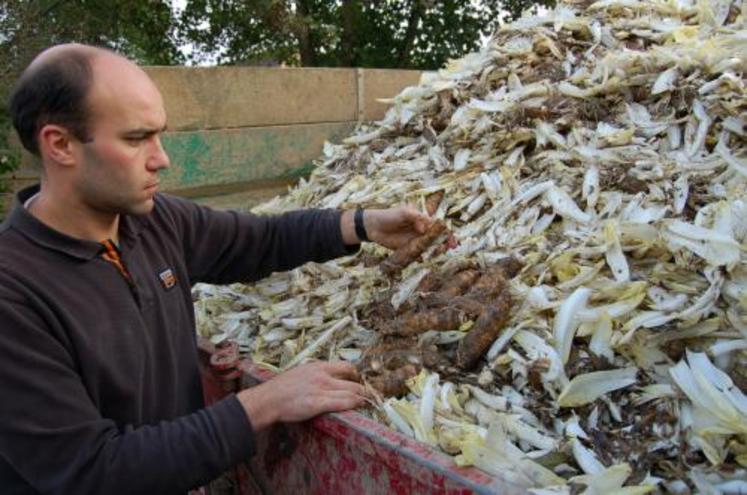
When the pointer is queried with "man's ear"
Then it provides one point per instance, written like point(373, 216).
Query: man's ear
point(56, 143)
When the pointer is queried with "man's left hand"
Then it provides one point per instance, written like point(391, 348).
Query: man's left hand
point(394, 227)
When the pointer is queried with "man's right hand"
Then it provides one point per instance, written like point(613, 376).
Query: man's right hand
point(302, 393)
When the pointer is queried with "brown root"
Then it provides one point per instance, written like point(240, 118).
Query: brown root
point(487, 328)
point(432, 202)
point(411, 251)
point(430, 283)
point(511, 266)
point(464, 293)
point(435, 319)
point(459, 284)
point(394, 383)
point(495, 280)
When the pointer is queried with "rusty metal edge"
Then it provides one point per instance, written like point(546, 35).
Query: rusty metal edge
point(415, 452)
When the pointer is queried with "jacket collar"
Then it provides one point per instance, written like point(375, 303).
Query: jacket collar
point(38, 232)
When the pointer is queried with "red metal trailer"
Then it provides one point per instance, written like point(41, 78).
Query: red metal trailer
point(336, 453)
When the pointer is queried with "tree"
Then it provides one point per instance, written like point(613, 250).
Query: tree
point(418, 34)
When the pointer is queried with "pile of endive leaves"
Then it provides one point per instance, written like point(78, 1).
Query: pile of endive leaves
point(604, 146)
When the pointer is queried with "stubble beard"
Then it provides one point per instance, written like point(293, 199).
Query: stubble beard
point(102, 193)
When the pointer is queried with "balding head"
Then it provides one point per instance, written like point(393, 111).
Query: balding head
point(54, 89)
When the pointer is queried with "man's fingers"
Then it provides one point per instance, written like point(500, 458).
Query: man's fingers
point(342, 370)
point(339, 401)
point(347, 386)
point(418, 219)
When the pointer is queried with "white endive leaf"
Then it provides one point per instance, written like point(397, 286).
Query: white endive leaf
point(364, 138)
point(428, 401)
point(528, 194)
point(727, 346)
point(607, 482)
point(409, 412)
point(566, 321)
point(614, 310)
point(494, 402)
point(704, 122)
point(614, 255)
point(674, 136)
point(397, 420)
point(702, 366)
point(600, 341)
point(491, 106)
point(735, 125)
point(564, 205)
point(320, 341)
point(717, 249)
point(681, 190)
point(461, 159)
point(493, 184)
point(712, 395)
point(590, 186)
point(522, 431)
point(407, 287)
point(663, 300)
point(536, 348)
point(573, 429)
point(654, 392)
point(703, 485)
point(588, 387)
point(705, 302)
point(585, 275)
point(501, 342)
point(645, 319)
point(735, 163)
point(545, 133)
point(586, 458)
point(666, 81)
point(302, 322)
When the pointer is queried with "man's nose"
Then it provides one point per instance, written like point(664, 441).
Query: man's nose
point(159, 158)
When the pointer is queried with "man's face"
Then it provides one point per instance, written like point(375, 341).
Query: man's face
point(119, 167)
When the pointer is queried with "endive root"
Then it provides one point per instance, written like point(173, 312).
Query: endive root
point(394, 383)
point(411, 251)
point(436, 319)
point(459, 284)
point(432, 202)
point(487, 328)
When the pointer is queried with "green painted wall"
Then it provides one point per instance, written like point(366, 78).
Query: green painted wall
point(202, 158)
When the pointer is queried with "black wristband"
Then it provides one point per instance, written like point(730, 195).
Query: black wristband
point(360, 229)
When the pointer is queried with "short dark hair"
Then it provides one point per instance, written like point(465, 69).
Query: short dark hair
point(53, 92)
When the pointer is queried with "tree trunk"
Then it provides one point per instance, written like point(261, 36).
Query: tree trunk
point(348, 54)
point(416, 13)
point(302, 32)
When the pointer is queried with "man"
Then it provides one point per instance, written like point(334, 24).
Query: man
point(99, 386)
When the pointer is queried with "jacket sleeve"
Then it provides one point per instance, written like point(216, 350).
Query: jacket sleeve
point(54, 437)
point(223, 247)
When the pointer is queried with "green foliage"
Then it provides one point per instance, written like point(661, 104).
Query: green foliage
point(418, 34)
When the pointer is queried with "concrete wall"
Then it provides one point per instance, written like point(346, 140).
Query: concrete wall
point(235, 129)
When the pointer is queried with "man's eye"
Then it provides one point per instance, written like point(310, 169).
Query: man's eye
point(134, 139)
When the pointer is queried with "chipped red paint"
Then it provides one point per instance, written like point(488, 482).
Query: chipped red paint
point(345, 453)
